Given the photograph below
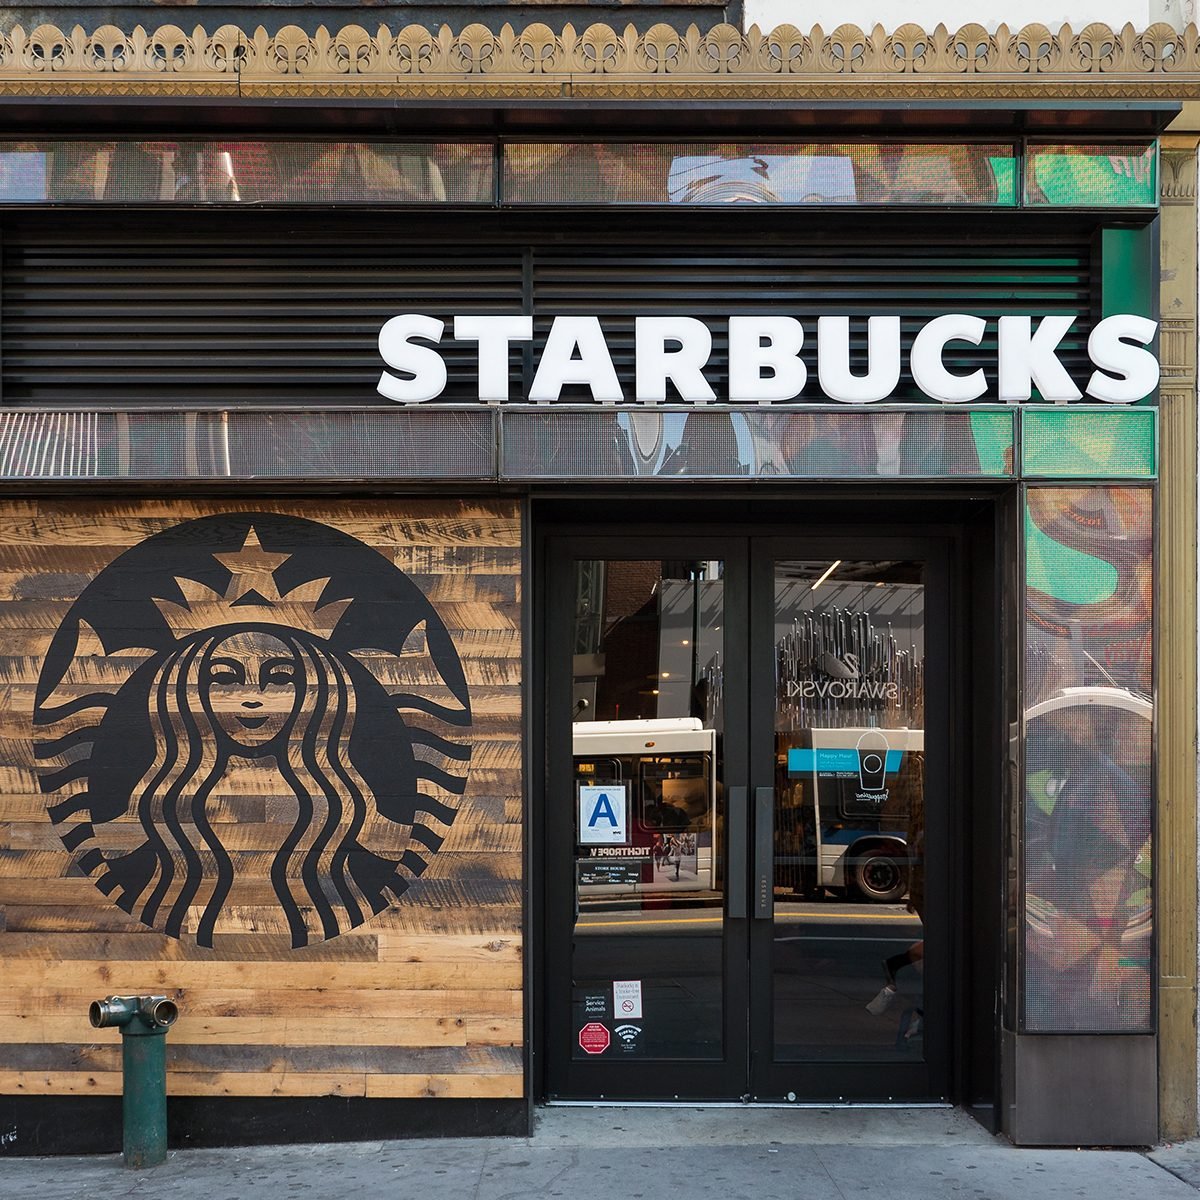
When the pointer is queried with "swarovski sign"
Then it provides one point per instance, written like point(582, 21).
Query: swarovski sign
point(764, 364)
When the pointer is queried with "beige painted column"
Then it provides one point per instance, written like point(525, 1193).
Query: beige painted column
point(1176, 863)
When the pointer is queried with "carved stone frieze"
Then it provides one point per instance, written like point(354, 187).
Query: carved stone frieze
point(600, 62)
point(1177, 176)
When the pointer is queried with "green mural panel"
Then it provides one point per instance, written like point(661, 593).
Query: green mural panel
point(1117, 175)
point(1068, 443)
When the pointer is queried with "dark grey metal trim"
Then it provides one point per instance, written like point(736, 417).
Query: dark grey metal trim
point(735, 855)
point(764, 854)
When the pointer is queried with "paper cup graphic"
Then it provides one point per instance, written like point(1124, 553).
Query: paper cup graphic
point(872, 760)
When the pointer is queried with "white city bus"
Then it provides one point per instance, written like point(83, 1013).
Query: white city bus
point(661, 772)
point(855, 810)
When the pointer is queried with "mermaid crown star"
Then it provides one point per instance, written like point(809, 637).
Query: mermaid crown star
point(252, 596)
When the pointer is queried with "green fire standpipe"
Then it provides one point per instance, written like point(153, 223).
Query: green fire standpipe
point(143, 1022)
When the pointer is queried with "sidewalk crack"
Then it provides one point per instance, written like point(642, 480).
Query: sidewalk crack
point(828, 1174)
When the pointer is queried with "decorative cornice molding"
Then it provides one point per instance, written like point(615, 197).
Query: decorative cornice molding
point(536, 63)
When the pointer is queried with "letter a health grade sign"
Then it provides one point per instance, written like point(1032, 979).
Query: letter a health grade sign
point(603, 815)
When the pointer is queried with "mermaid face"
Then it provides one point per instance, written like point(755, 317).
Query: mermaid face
point(252, 685)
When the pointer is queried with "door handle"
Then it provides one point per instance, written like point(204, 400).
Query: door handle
point(764, 854)
point(735, 854)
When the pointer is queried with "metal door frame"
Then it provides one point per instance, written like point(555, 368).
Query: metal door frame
point(972, 527)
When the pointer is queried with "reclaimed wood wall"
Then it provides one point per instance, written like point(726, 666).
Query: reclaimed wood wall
point(422, 998)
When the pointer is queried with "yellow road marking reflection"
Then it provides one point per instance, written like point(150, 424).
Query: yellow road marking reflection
point(718, 920)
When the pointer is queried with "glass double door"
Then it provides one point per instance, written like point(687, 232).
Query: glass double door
point(746, 819)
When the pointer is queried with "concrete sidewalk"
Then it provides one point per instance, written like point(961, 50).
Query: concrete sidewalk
point(644, 1154)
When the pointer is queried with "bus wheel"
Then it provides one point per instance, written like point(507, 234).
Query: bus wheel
point(880, 876)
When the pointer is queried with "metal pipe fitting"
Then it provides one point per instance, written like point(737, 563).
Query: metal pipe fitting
point(143, 1022)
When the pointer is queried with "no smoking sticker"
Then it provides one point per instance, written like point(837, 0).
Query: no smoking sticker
point(627, 998)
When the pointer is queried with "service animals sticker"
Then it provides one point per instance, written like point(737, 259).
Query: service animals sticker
point(603, 814)
point(627, 999)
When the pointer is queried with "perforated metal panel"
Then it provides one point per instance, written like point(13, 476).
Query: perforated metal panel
point(754, 443)
point(388, 443)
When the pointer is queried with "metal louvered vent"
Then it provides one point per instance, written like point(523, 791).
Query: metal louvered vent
point(110, 318)
point(202, 321)
point(916, 282)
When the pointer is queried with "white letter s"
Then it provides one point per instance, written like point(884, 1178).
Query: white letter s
point(425, 364)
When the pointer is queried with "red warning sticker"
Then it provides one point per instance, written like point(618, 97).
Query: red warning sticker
point(594, 1038)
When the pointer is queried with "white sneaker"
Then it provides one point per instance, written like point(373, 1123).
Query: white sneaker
point(882, 1002)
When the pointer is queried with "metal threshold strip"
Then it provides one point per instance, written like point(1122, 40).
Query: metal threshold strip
point(744, 1104)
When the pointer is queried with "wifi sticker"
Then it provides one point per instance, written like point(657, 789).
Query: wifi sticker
point(629, 1038)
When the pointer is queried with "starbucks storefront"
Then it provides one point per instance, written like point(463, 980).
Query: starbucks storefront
point(508, 621)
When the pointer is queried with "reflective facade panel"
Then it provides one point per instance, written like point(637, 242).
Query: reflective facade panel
point(1117, 174)
point(384, 443)
point(233, 172)
point(755, 443)
point(1088, 742)
point(741, 173)
point(1093, 444)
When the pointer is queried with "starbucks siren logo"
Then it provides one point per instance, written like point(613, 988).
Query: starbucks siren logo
point(252, 705)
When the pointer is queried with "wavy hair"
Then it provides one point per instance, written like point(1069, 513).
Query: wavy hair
point(192, 870)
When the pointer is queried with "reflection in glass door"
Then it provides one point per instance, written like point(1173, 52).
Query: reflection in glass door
point(647, 737)
point(849, 811)
point(736, 820)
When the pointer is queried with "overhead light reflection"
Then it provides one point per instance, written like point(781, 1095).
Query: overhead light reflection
point(833, 566)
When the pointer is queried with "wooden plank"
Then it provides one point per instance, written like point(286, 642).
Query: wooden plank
point(60, 1083)
point(33, 643)
point(378, 1060)
point(255, 1083)
point(23, 806)
point(80, 918)
point(498, 842)
point(500, 945)
point(297, 1029)
point(483, 1087)
point(500, 700)
point(359, 1003)
point(237, 1083)
point(442, 524)
point(149, 945)
point(397, 970)
point(491, 572)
